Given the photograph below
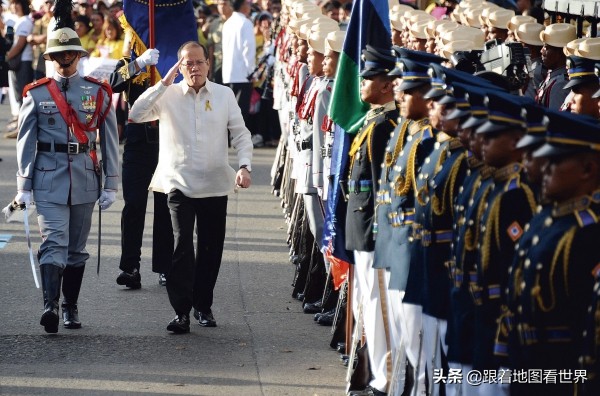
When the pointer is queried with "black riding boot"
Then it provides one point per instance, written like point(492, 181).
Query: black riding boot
point(51, 276)
point(72, 278)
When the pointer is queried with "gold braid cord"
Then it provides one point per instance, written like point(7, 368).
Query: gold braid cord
point(563, 247)
point(358, 141)
point(470, 239)
point(390, 161)
point(492, 221)
point(450, 182)
point(138, 47)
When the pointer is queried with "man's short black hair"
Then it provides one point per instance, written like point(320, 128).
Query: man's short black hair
point(191, 44)
point(237, 4)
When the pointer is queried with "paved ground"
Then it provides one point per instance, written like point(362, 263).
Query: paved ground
point(263, 345)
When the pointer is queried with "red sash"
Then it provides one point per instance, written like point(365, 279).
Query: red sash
point(70, 115)
point(327, 125)
point(307, 107)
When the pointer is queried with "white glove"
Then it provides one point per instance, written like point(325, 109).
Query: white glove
point(107, 198)
point(148, 58)
point(23, 197)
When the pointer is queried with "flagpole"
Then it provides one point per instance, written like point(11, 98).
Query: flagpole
point(151, 40)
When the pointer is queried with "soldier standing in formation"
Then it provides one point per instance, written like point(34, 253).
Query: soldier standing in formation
point(461, 200)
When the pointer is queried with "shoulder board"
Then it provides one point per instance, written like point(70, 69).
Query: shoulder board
point(427, 132)
point(104, 85)
point(513, 182)
point(35, 84)
point(586, 217)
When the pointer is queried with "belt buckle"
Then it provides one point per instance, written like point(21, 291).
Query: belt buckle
point(72, 148)
point(426, 238)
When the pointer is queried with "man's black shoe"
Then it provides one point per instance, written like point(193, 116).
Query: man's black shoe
point(180, 324)
point(368, 391)
point(311, 308)
point(326, 319)
point(162, 279)
point(206, 320)
point(132, 279)
point(341, 347)
point(300, 296)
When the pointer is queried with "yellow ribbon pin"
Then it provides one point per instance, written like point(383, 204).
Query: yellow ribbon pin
point(207, 106)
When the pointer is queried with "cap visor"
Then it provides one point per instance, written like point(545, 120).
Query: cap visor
point(447, 99)
point(548, 150)
point(530, 140)
point(579, 81)
point(435, 93)
point(407, 85)
point(492, 127)
point(473, 122)
point(371, 73)
point(457, 113)
point(395, 72)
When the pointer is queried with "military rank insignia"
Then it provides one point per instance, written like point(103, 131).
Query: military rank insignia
point(514, 231)
point(88, 102)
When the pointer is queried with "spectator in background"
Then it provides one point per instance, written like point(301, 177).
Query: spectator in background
point(110, 44)
point(239, 54)
point(215, 40)
point(97, 19)
point(85, 8)
point(23, 75)
point(37, 39)
point(83, 27)
point(332, 9)
point(275, 8)
point(115, 10)
point(203, 24)
point(345, 11)
point(101, 6)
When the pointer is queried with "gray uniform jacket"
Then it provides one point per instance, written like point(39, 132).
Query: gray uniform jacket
point(57, 176)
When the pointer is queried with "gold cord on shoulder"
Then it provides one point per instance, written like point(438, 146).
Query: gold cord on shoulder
point(563, 247)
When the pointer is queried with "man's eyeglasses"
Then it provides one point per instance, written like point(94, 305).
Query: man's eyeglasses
point(191, 64)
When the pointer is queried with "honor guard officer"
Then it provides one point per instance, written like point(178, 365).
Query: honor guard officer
point(436, 186)
point(550, 93)
point(468, 210)
point(59, 122)
point(509, 206)
point(395, 213)
point(554, 277)
point(140, 157)
point(583, 82)
point(366, 155)
point(535, 137)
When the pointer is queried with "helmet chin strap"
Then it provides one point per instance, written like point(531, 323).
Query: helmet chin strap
point(65, 65)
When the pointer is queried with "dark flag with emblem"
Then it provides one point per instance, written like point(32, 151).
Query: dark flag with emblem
point(175, 24)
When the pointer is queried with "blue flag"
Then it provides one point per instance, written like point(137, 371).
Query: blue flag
point(174, 24)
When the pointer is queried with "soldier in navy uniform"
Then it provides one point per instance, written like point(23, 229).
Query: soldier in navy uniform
point(395, 212)
point(509, 206)
point(140, 156)
point(554, 274)
point(366, 155)
point(467, 212)
point(59, 123)
point(583, 84)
